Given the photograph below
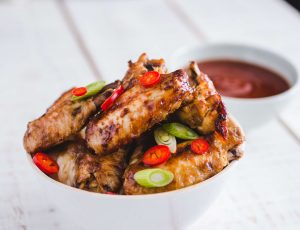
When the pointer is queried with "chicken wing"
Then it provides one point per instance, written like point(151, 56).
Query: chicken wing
point(141, 66)
point(79, 168)
point(62, 120)
point(188, 168)
point(206, 112)
point(136, 111)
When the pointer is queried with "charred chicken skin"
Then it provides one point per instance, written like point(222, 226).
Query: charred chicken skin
point(62, 120)
point(136, 111)
point(87, 143)
point(140, 67)
point(187, 167)
point(206, 111)
point(79, 168)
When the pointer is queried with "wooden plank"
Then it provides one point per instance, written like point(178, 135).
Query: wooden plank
point(38, 59)
point(270, 24)
point(290, 117)
point(77, 35)
point(247, 22)
point(117, 31)
point(39, 53)
point(263, 191)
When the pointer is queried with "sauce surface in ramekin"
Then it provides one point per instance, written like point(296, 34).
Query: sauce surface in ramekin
point(243, 80)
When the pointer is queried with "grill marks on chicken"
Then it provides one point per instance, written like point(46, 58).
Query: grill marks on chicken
point(62, 120)
point(136, 111)
point(188, 168)
point(102, 173)
point(79, 168)
point(206, 112)
point(71, 132)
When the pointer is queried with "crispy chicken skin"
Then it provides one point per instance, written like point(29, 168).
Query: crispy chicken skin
point(92, 146)
point(188, 168)
point(79, 168)
point(62, 120)
point(136, 111)
point(141, 66)
point(102, 173)
point(206, 112)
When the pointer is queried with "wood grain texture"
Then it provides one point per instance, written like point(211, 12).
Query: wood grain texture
point(40, 57)
point(263, 192)
point(270, 24)
point(117, 31)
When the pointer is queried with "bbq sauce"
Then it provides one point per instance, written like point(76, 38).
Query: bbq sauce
point(243, 80)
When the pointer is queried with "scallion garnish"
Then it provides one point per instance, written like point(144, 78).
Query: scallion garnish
point(92, 89)
point(164, 138)
point(152, 178)
point(181, 131)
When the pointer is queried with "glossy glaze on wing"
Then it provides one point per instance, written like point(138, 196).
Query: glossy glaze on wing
point(136, 111)
point(79, 168)
point(92, 145)
point(62, 120)
point(140, 67)
point(188, 168)
point(206, 111)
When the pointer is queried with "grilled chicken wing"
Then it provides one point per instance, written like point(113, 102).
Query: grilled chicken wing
point(136, 111)
point(188, 168)
point(206, 112)
point(141, 66)
point(63, 119)
point(190, 98)
point(79, 168)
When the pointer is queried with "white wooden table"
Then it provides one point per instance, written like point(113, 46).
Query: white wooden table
point(48, 46)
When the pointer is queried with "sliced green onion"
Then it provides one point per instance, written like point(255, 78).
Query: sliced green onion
point(152, 178)
point(181, 131)
point(164, 138)
point(92, 89)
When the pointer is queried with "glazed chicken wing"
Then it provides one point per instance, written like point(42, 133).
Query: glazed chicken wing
point(141, 66)
point(206, 112)
point(136, 111)
point(188, 168)
point(91, 140)
point(79, 168)
point(62, 120)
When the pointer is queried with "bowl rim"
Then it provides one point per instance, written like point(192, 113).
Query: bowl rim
point(184, 50)
point(142, 196)
point(122, 196)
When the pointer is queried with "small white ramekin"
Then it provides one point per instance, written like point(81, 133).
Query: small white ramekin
point(251, 113)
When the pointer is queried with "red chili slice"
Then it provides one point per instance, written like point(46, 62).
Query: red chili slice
point(109, 101)
point(199, 146)
point(150, 78)
point(156, 155)
point(45, 163)
point(79, 91)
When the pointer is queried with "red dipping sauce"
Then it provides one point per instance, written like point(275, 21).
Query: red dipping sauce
point(242, 79)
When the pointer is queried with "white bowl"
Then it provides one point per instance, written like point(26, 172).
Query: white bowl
point(251, 113)
point(167, 211)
